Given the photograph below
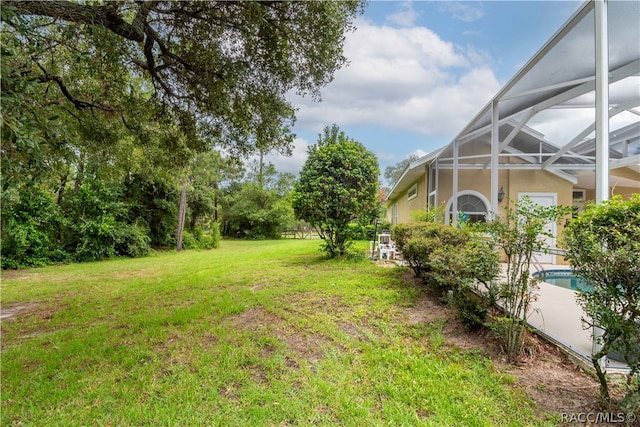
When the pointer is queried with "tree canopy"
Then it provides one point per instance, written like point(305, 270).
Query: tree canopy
point(106, 105)
point(393, 173)
point(223, 67)
point(337, 184)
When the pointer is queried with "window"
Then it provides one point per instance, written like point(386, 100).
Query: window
point(579, 197)
point(471, 205)
point(413, 192)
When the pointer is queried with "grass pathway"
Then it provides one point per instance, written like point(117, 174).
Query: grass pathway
point(253, 333)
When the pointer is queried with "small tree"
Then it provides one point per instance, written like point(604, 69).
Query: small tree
point(603, 246)
point(519, 233)
point(338, 183)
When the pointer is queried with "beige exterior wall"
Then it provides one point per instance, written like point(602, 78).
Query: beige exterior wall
point(478, 180)
point(512, 181)
point(533, 181)
point(406, 206)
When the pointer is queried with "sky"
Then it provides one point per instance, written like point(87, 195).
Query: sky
point(420, 71)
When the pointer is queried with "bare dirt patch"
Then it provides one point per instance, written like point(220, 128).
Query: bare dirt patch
point(19, 274)
point(304, 344)
point(37, 312)
point(547, 375)
point(16, 310)
point(386, 263)
point(359, 333)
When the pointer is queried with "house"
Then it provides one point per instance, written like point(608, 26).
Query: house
point(503, 154)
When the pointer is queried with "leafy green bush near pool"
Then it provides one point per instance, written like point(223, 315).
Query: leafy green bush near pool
point(603, 246)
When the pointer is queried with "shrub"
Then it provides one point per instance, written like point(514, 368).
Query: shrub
point(449, 260)
point(355, 231)
point(31, 226)
point(132, 240)
point(424, 244)
point(432, 215)
point(189, 241)
point(95, 238)
point(408, 238)
point(519, 232)
point(98, 223)
point(400, 233)
point(210, 239)
point(215, 237)
point(472, 309)
point(603, 247)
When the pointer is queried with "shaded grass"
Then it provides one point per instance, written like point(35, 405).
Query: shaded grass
point(253, 333)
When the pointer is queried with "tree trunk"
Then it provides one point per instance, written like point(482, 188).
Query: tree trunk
point(63, 185)
point(260, 169)
point(79, 174)
point(181, 214)
point(215, 202)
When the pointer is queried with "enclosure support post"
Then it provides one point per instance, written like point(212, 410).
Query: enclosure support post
point(437, 177)
point(454, 200)
point(495, 145)
point(602, 101)
point(602, 123)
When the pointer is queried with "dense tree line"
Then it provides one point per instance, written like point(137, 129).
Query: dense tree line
point(109, 109)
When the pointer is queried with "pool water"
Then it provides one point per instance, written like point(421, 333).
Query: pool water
point(565, 279)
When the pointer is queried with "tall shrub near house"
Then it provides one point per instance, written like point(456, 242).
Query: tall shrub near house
point(603, 246)
point(450, 260)
point(519, 233)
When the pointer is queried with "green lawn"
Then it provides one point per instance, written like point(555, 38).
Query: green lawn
point(252, 333)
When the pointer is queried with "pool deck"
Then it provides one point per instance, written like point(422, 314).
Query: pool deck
point(557, 315)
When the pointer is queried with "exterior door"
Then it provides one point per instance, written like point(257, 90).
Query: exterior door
point(545, 199)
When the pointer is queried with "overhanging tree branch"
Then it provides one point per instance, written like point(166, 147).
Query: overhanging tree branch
point(105, 16)
point(78, 103)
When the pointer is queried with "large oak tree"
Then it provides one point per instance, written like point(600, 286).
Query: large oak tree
point(103, 91)
point(224, 66)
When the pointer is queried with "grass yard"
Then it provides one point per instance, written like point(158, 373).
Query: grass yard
point(252, 333)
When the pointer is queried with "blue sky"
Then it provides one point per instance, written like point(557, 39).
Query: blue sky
point(420, 71)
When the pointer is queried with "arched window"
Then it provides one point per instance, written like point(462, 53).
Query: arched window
point(472, 204)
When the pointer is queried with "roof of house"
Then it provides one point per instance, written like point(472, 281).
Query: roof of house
point(411, 174)
point(558, 84)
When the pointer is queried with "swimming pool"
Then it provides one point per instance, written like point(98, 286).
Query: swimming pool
point(564, 278)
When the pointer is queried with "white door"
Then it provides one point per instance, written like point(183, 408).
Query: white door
point(545, 199)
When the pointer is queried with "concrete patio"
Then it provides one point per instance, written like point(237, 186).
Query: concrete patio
point(557, 315)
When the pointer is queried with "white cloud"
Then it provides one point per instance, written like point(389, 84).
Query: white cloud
point(405, 79)
point(385, 156)
point(405, 16)
point(293, 163)
point(419, 153)
point(464, 12)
